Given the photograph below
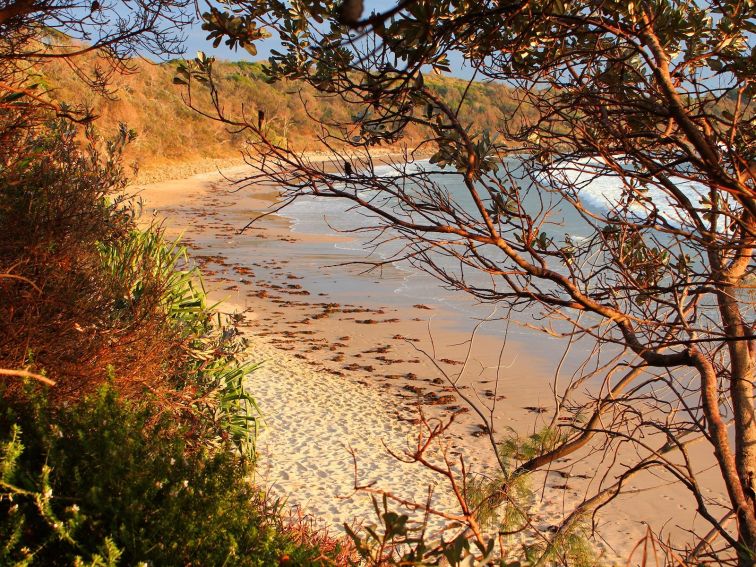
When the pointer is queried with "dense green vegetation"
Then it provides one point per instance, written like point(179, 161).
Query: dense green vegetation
point(117, 479)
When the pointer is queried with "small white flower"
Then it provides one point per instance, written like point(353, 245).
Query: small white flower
point(173, 461)
point(185, 483)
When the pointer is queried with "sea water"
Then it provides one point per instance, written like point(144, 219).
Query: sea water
point(585, 182)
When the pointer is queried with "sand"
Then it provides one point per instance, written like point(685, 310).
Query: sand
point(343, 367)
point(312, 420)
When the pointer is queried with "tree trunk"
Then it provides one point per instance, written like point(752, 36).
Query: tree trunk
point(741, 501)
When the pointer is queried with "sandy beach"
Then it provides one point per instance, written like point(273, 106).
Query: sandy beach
point(347, 364)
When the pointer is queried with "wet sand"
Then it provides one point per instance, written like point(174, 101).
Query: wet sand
point(346, 363)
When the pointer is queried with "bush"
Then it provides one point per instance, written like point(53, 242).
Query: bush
point(140, 452)
point(89, 292)
point(54, 208)
point(113, 478)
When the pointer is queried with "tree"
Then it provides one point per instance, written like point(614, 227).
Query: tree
point(34, 30)
point(110, 33)
point(653, 98)
point(96, 39)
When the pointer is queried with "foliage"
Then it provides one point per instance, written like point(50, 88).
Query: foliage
point(212, 371)
point(53, 210)
point(394, 542)
point(152, 466)
point(135, 304)
point(106, 34)
point(170, 134)
point(513, 449)
point(572, 548)
point(67, 29)
point(139, 454)
point(106, 481)
point(495, 513)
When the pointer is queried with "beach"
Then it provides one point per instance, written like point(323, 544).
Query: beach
point(350, 364)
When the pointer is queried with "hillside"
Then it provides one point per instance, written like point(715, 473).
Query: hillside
point(169, 133)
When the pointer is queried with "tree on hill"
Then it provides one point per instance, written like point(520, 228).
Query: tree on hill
point(640, 123)
point(111, 32)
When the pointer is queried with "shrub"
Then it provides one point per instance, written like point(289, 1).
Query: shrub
point(114, 478)
point(140, 452)
point(90, 292)
point(54, 208)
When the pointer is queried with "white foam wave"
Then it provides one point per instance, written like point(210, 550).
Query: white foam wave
point(604, 191)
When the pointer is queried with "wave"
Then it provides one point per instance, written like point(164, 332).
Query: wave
point(604, 191)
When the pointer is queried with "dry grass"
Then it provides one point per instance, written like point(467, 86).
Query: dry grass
point(307, 531)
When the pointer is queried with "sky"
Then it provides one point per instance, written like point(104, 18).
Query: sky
point(196, 42)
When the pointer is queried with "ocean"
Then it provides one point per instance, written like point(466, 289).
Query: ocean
point(408, 282)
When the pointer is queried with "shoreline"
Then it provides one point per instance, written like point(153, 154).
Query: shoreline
point(186, 169)
point(357, 359)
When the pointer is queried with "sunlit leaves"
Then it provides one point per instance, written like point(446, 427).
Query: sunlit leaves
point(239, 30)
point(199, 69)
